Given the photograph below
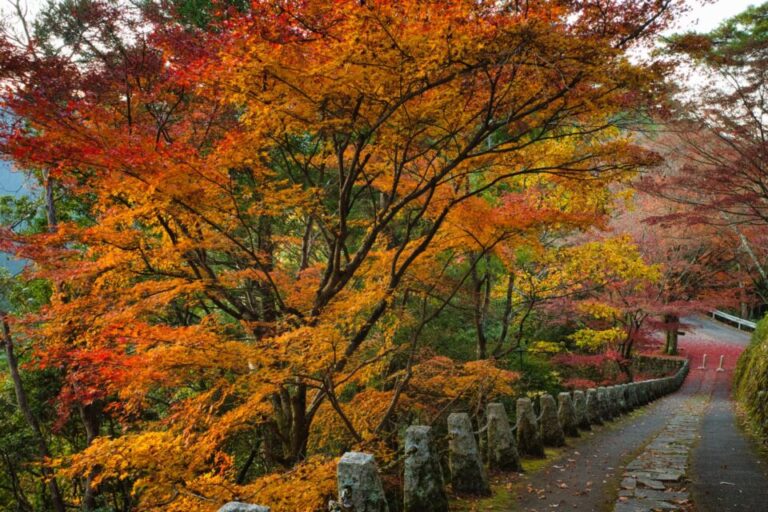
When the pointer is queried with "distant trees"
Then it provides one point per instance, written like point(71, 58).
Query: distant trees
point(719, 136)
point(698, 263)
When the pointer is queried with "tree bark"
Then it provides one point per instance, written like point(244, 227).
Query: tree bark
point(50, 207)
point(672, 323)
point(91, 419)
point(26, 410)
point(300, 425)
point(481, 288)
point(291, 424)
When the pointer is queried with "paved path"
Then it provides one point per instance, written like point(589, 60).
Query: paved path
point(692, 432)
point(727, 474)
point(588, 476)
point(656, 479)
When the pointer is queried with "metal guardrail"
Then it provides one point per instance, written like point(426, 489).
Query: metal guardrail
point(740, 323)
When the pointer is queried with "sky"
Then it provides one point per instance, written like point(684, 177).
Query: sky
point(704, 19)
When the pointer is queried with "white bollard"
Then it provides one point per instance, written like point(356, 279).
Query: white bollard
point(703, 363)
point(720, 368)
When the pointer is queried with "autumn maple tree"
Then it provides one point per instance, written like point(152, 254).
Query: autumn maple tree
point(274, 200)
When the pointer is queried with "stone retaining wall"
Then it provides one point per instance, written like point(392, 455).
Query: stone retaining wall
point(360, 488)
point(655, 366)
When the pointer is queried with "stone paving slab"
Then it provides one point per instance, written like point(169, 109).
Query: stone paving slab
point(653, 481)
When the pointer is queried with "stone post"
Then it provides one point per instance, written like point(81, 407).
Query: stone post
point(632, 396)
point(566, 413)
point(580, 404)
point(609, 403)
point(359, 484)
point(613, 401)
point(423, 488)
point(642, 392)
point(551, 430)
point(602, 399)
point(594, 414)
point(628, 397)
point(653, 385)
point(467, 472)
point(623, 403)
point(237, 506)
point(528, 436)
point(502, 448)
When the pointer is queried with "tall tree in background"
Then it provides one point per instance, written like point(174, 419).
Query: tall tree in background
point(720, 133)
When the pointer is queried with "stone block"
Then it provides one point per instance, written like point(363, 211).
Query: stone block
point(566, 413)
point(602, 399)
point(359, 484)
point(423, 486)
point(632, 399)
point(580, 405)
point(502, 447)
point(528, 435)
point(612, 393)
point(238, 506)
point(467, 472)
point(623, 402)
point(594, 414)
point(549, 424)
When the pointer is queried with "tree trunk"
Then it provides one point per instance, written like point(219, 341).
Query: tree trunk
point(672, 324)
point(481, 288)
point(270, 449)
point(21, 398)
point(626, 348)
point(50, 207)
point(291, 424)
point(299, 425)
point(507, 317)
point(90, 416)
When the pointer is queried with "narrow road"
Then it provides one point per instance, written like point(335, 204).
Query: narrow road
point(703, 328)
point(727, 473)
point(588, 476)
point(724, 472)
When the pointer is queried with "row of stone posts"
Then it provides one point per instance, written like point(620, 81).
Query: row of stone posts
point(360, 488)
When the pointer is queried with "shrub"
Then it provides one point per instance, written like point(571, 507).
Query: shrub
point(751, 377)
